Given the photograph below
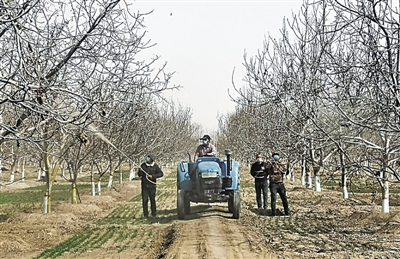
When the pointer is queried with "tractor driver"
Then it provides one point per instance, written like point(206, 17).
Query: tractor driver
point(205, 148)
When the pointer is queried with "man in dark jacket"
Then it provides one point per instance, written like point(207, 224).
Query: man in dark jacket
point(149, 172)
point(276, 171)
point(259, 172)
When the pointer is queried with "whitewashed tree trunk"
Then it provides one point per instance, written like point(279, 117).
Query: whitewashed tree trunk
point(99, 187)
point(120, 174)
point(303, 172)
point(46, 203)
point(18, 165)
point(318, 183)
point(39, 174)
point(13, 165)
point(385, 196)
point(344, 186)
point(308, 178)
point(344, 177)
point(317, 178)
point(92, 180)
point(93, 189)
point(110, 181)
point(132, 173)
point(23, 169)
point(74, 194)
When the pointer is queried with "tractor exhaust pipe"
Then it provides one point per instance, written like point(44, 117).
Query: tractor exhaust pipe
point(228, 162)
point(227, 180)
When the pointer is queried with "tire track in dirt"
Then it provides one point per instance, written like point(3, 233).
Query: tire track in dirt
point(214, 236)
point(189, 243)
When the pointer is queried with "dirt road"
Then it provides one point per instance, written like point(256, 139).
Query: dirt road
point(209, 232)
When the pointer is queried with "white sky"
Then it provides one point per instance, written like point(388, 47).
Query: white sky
point(204, 41)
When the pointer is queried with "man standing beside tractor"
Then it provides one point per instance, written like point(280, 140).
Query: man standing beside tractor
point(149, 171)
point(259, 171)
point(276, 171)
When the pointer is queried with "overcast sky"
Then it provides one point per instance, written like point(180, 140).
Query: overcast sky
point(204, 41)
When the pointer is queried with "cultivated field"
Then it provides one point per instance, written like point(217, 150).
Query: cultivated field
point(322, 225)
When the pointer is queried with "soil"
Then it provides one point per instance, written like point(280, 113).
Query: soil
point(110, 225)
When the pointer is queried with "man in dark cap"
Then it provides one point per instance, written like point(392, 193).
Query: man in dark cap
point(259, 171)
point(149, 171)
point(276, 171)
point(205, 148)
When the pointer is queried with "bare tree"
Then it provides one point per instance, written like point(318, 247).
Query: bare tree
point(71, 64)
point(337, 85)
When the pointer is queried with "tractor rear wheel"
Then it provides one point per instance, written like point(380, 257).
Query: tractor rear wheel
point(181, 204)
point(187, 204)
point(230, 203)
point(236, 204)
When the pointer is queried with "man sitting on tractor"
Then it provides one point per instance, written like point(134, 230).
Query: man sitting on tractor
point(205, 149)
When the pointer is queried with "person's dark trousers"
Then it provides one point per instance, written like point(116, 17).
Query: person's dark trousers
point(149, 193)
point(261, 189)
point(278, 188)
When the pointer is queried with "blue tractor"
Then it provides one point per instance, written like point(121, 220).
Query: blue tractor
point(208, 180)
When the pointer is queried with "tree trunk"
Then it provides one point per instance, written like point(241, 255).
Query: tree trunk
point(344, 177)
point(23, 169)
point(385, 196)
point(344, 184)
point(303, 172)
point(385, 184)
point(99, 187)
point(120, 174)
point(317, 178)
point(49, 183)
point(131, 172)
point(92, 181)
point(13, 165)
point(110, 181)
point(74, 194)
point(308, 178)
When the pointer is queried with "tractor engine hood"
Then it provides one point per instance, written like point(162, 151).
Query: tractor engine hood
point(209, 169)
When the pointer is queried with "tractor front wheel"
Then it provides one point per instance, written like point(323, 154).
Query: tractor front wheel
point(181, 204)
point(236, 204)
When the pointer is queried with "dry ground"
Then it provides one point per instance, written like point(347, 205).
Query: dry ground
point(322, 225)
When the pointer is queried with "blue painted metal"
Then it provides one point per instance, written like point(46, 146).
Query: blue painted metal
point(207, 164)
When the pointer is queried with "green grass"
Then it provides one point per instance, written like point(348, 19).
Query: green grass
point(60, 193)
point(71, 245)
point(28, 199)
